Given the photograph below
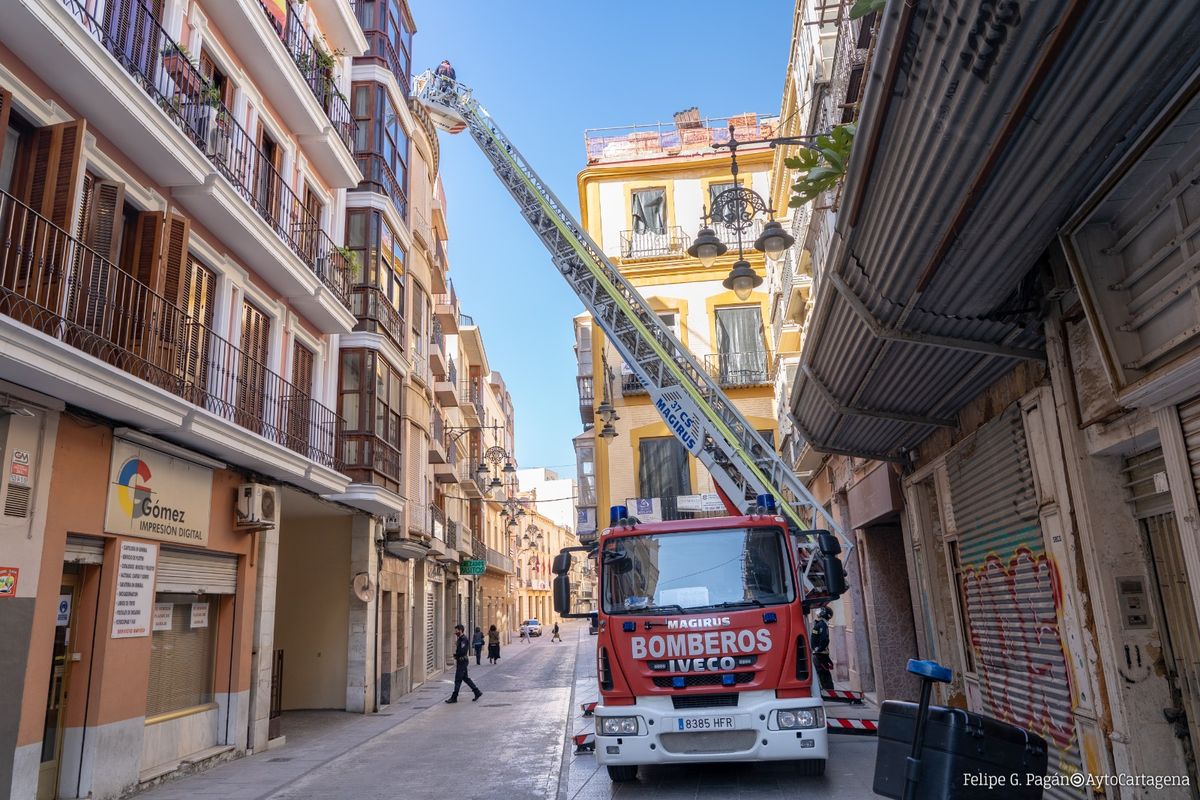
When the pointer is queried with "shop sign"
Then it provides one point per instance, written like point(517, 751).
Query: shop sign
point(64, 611)
point(471, 566)
point(8, 581)
point(199, 615)
point(162, 616)
point(135, 590)
point(156, 496)
point(646, 509)
point(711, 501)
point(18, 470)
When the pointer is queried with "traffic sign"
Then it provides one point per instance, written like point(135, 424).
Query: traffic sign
point(471, 566)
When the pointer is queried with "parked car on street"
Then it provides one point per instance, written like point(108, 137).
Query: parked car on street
point(532, 627)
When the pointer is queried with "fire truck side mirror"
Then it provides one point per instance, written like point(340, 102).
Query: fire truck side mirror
point(561, 564)
point(562, 590)
point(828, 543)
point(835, 575)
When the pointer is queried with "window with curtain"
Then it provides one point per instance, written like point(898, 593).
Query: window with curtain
point(663, 473)
point(182, 657)
point(650, 211)
point(742, 353)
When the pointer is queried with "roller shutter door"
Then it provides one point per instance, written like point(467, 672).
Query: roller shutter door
point(430, 631)
point(1010, 590)
point(84, 550)
point(196, 572)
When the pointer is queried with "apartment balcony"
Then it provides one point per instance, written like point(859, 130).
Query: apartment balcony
point(670, 243)
point(379, 45)
point(737, 370)
point(445, 390)
point(437, 437)
point(437, 351)
point(376, 314)
point(377, 176)
point(422, 229)
point(74, 325)
point(729, 236)
point(498, 561)
point(296, 75)
point(466, 479)
point(420, 367)
point(438, 284)
point(133, 84)
point(445, 309)
point(470, 400)
point(478, 549)
point(587, 414)
point(465, 541)
point(631, 384)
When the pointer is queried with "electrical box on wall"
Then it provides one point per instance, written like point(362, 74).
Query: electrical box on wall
point(255, 506)
point(1135, 606)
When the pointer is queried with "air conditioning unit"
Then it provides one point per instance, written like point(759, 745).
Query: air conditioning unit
point(393, 523)
point(256, 506)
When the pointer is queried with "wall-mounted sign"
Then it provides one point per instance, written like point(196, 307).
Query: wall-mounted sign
point(157, 496)
point(18, 469)
point(471, 566)
point(162, 616)
point(646, 509)
point(8, 581)
point(135, 590)
point(64, 611)
point(199, 615)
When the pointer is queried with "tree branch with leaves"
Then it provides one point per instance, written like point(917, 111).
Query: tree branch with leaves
point(821, 165)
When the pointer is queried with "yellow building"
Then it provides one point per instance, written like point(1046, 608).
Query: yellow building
point(642, 196)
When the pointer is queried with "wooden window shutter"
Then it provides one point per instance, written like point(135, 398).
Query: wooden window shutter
point(199, 291)
point(252, 372)
point(102, 231)
point(100, 223)
point(298, 415)
point(302, 368)
point(147, 246)
point(53, 176)
point(5, 108)
point(174, 258)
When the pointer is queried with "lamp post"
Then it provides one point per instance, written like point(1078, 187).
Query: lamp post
point(736, 209)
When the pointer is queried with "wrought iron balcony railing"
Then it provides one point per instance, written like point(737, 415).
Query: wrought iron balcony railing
point(729, 235)
point(751, 368)
point(672, 241)
point(374, 310)
point(52, 282)
point(370, 459)
point(469, 393)
point(632, 384)
point(465, 320)
point(451, 371)
point(316, 68)
point(378, 177)
point(158, 66)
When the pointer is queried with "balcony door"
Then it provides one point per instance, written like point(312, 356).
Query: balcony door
point(299, 415)
point(742, 352)
point(268, 183)
point(134, 32)
point(252, 373)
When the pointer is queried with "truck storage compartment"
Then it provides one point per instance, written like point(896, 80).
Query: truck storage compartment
point(965, 757)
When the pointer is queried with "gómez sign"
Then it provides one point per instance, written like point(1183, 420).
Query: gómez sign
point(156, 496)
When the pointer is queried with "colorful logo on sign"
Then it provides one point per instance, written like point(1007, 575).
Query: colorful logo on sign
point(132, 486)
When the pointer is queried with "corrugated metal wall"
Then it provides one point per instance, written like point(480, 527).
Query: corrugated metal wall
point(1011, 589)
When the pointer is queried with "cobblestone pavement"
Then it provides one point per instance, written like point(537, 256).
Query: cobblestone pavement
point(847, 776)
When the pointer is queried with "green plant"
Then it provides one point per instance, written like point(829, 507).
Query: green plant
point(352, 263)
point(822, 165)
point(177, 49)
point(863, 7)
point(211, 94)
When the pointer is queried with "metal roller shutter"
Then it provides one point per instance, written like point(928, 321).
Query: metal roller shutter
point(430, 631)
point(195, 572)
point(84, 550)
point(1189, 417)
point(1010, 590)
point(1148, 495)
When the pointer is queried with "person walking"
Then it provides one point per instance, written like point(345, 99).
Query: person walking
point(477, 643)
point(493, 644)
point(524, 634)
point(554, 635)
point(462, 659)
point(819, 640)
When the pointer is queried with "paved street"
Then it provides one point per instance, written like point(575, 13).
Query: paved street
point(511, 745)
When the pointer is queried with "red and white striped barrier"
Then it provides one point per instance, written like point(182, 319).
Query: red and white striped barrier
point(853, 727)
point(585, 742)
point(587, 708)
point(842, 696)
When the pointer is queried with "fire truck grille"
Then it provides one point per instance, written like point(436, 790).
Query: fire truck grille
point(711, 679)
point(708, 741)
point(705, 700)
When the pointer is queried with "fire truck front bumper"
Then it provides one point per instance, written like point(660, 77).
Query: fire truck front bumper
point(759, 728)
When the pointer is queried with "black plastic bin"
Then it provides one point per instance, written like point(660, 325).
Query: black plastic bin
point(966, 756)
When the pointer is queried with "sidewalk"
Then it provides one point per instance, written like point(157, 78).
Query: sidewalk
point(418, 747)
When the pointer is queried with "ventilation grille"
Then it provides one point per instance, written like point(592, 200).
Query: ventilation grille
point(705, 701)
point(16, 502)
point(664, 682)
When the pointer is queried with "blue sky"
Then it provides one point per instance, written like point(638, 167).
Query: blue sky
point(546, 70)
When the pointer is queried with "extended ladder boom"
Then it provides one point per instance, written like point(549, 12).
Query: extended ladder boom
point(691, 403)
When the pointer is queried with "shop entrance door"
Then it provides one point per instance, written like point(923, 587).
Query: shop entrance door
point(52, 732)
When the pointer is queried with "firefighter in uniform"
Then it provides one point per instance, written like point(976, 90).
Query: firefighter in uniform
point(820, 647)
point(462, 649)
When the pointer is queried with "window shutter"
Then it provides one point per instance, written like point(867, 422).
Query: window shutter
point(100, 221)
point(103, 229)
point(52, 181)
point(199, 288)
point(147, 246)
point(5, 108)
point(298, 405)
point(302, 368)
point(174, 258)
point(252, 376)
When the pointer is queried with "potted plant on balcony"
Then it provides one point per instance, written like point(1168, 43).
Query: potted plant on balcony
point(353, 266)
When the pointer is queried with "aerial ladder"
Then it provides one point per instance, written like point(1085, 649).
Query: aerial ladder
point(744, 467)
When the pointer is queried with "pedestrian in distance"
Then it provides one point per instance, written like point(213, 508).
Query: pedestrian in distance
point(819, 640)
point(524, 634)
point(493, 644)
point(477, 643)
point(554, 635)
point(462, 659)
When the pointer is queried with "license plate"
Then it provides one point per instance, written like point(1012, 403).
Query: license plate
point(710, 722)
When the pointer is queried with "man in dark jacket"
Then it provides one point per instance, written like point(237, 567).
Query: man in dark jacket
point(462, 648)
point(819, 640)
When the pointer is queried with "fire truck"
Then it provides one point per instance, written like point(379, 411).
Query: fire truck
point(702, 651)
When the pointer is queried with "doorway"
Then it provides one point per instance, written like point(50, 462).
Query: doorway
point(56, 695)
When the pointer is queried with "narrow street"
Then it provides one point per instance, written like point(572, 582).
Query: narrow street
point(510, 744)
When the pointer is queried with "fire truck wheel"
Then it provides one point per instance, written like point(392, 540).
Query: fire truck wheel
point(623, 773)
point(810, 768)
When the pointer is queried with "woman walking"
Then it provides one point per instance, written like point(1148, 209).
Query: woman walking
point(493, 644)
point(477, 643)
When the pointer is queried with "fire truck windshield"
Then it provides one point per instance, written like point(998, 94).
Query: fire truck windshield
point(678, 573)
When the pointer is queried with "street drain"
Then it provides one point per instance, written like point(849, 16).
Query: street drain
point(280, 758)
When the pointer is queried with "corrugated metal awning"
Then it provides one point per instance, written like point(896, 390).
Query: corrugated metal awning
point(973, 148)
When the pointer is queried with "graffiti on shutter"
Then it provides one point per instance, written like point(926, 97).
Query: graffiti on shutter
point(430, 632)
point(1011, 590)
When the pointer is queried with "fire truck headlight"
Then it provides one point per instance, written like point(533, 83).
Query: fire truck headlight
point(796, 718)
point(618, 726)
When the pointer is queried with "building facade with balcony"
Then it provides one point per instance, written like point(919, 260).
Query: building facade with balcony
point(537, 540)
point(173, 284)
point(641, 199)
